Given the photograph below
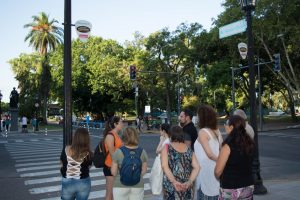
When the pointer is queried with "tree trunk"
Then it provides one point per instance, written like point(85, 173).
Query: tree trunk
point(291, 103)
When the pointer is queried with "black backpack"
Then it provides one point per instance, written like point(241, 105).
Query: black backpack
point(131, 167)
point(100, 154)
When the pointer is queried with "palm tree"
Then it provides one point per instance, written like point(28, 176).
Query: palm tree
point(44, 36)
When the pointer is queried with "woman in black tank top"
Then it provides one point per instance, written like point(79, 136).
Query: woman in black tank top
point(234, 163)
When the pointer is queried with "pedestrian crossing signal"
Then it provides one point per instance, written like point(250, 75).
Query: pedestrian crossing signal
point(132, 72)
point(277, 65)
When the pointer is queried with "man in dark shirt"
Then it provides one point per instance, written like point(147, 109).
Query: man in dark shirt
point(189, 129)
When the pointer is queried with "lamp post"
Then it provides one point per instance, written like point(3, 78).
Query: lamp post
point(0, 111)
point(248, 6)
point(67, 139)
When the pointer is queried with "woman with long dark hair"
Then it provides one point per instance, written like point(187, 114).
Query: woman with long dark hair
point(112, 142)
point(76, 161)
point(234, 164)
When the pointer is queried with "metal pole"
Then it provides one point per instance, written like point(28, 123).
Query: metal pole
point(258, 183)
point(67, 140)
point(178, 95)
point(259, 98)
point(233, 89)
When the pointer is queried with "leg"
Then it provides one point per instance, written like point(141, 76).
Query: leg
point(67, 191)
point(83, 189)
point(136, 194)
point(109, 187)
point(121, 193)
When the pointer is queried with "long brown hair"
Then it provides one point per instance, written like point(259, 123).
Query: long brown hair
point(80, 147)
point(207, 117)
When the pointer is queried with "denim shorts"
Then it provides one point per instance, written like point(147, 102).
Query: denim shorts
point(78, 189)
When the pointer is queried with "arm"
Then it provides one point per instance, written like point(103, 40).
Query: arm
point(195, 171)
point(167, 170)
point(114, 168)
point(144, 168)
point(110, 143)
point(159, 146)
point(222, 160)
point(203, 139)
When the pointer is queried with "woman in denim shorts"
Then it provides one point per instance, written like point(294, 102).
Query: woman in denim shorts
point(76, 161)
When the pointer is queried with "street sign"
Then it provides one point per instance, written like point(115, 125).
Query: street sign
point(83, 29)
point(233, 28)
point(147, 109)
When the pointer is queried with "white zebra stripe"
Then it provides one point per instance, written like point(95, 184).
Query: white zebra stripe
point(58, 178)
point(36, 159)
point(36, 156)
point(37, 163)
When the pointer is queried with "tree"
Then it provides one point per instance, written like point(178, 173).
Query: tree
point(44, 36)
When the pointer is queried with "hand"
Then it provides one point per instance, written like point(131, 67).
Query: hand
point(187, 185)
point(178, 186)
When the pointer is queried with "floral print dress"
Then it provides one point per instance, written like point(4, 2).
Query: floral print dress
point(181, 167)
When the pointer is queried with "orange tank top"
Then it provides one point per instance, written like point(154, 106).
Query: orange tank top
point(117, 144)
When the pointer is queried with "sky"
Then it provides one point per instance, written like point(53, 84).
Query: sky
point(110, 19)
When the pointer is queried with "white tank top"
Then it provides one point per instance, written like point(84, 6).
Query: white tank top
point(206, 178)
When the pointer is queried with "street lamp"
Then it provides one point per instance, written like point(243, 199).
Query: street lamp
point(0, 111)
point(248, 6)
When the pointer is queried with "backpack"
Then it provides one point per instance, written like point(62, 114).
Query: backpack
point(100, 154)
point(131, 167)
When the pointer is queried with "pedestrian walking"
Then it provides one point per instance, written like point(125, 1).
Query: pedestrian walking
point(112, 142)
point(7, 123)
point(180, 167)
point(24, 124)
point(189, 129)
point(248, 128)
point(76, 161)
point(129, 166)
point(234, 165)
point(207, 147)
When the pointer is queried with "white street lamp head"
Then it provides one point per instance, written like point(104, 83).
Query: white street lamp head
point(243, 49)
point(247, 4)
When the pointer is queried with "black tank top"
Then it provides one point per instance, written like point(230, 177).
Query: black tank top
point(238, 170)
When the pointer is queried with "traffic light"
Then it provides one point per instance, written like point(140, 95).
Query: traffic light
point(277, 66)
point(132, 72)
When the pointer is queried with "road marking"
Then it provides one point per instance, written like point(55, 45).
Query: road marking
point(37, 163)
point(37, 156)
point(3, 142)
point(38, 168)
point(36, 159)
point(32, 152)
point(58, 178)
point(19, 140)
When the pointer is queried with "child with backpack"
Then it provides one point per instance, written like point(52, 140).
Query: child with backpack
point(129, 166)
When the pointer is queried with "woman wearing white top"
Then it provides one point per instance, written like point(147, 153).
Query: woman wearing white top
point(164, 137)
point(207, 147)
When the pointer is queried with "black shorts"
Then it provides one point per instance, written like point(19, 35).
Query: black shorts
point(106, 171)
point(24, 126)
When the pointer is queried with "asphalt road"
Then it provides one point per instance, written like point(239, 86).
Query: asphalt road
point(30, 163)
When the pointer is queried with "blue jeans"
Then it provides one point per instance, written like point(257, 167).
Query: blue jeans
point(78, 189)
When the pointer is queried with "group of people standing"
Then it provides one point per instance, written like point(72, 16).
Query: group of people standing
point(200, 165)
point(196, 164)
point(76, 161)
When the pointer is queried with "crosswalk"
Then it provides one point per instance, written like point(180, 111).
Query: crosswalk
point(37, 162)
